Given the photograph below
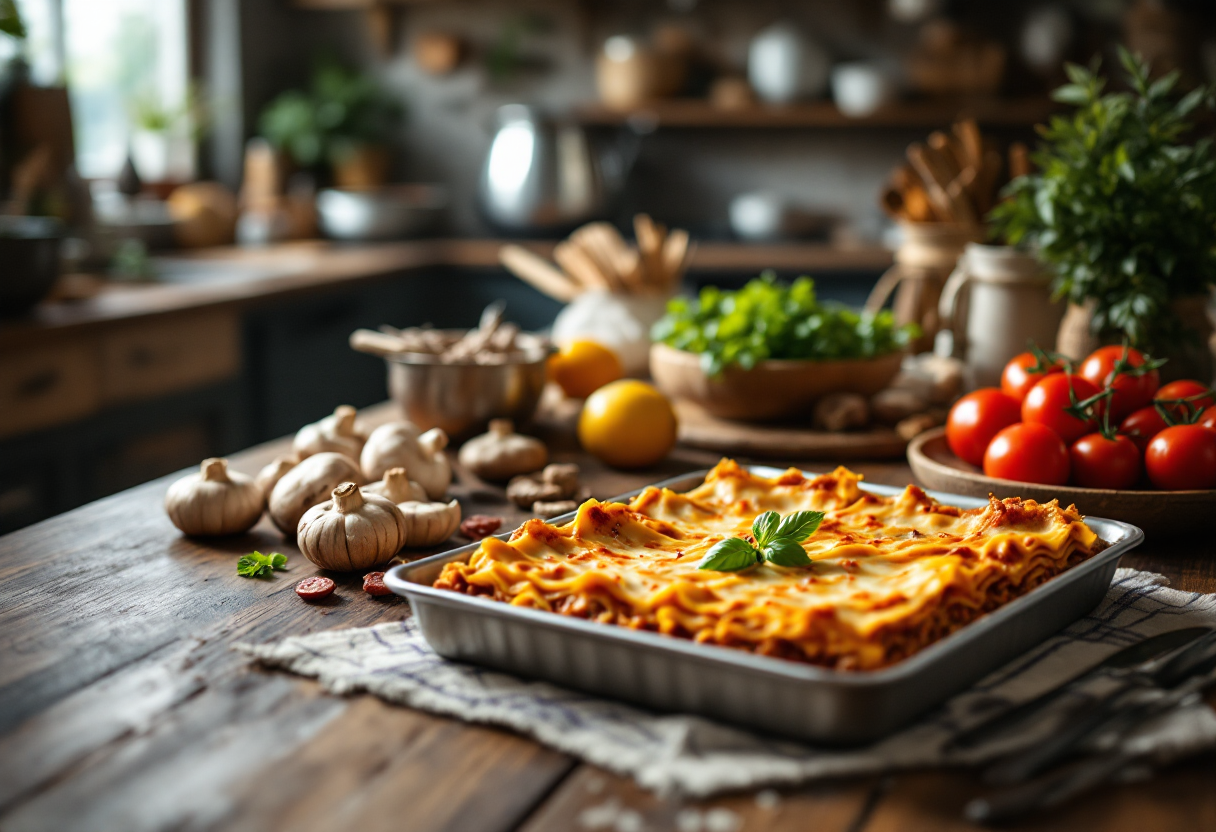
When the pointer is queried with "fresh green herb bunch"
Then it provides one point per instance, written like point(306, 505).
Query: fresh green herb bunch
point(767, 319)
point(1122, 206)
point(778, 540)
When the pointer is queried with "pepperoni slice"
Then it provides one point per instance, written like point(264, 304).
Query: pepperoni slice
point(478, 526)
point(315, 588)
point(373, 584)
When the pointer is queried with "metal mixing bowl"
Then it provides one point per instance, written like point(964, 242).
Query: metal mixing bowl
point(463, 398)
point(391, 212)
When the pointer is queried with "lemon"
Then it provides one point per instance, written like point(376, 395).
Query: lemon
point(627, 424)
point(582, 367)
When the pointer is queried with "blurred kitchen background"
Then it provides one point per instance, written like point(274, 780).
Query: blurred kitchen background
point(202, 199)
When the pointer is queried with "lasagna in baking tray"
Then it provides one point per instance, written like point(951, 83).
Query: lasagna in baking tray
point(888, 575)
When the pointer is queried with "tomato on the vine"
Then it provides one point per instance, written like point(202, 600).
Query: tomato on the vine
point(1047, 401)
point(1132, 390)
point(1027, 452)
point(1208, 418)
point(976, 418)
point(1141, 426)
point(1182, 457)
point(1019, 374)
point(1101, 462)
point(1185, 389)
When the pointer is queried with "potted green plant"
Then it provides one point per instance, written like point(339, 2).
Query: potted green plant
point(1123, 209)
point(339, 125)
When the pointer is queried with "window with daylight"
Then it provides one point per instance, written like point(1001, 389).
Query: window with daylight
point(125, 63)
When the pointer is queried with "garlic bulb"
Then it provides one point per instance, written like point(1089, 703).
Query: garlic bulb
point(214, 501)
point(427, 524)
point(352, 531)
point(397, 487)
point(270, 475)
point(502, 453)
point(335, 433)
point(402, 445)
point(307, 484)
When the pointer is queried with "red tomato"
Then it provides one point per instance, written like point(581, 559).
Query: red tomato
point(1098, 462)
point(1184, 389)
point(1028, 452)
point(1182, 458)
point(1131, 392)
point(1142, 426)
point(1208, 418)
point(976, 418)
point(1017, 379)
point(1045, 403)
point(315, 588)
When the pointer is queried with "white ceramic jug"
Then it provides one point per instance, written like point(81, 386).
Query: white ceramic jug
point(996, 301)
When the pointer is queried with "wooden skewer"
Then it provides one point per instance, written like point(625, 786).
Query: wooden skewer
point(675, 255)
point(376, 343)
point(935, 174)
point(650, 245)
point(538, 272)
point(579, 265)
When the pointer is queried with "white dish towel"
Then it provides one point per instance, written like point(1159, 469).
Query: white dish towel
point(697, 757)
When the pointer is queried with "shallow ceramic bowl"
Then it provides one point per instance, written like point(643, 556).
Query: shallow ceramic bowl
point(1161, 512)
point(770, 391)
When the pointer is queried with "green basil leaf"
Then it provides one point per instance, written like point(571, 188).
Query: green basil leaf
point(763, 527)
point(730, 555)
point(800, 525)
point(251, 566)
point(786, 552)
point(278, 561)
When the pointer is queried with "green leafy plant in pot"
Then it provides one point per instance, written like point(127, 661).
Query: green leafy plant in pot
point(339, 125)
point(1123, 208)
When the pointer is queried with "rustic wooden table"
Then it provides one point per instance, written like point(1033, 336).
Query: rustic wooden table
point(122, 706)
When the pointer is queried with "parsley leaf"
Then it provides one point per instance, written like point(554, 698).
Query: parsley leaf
point(786, 551)
point(257, 565)
point(730, 555)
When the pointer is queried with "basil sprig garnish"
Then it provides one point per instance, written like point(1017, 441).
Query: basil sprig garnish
point(778, 540)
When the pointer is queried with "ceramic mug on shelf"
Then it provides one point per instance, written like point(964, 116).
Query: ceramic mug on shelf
point(995, 302)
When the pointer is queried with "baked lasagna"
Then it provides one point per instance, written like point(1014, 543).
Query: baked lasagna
point(888, 575)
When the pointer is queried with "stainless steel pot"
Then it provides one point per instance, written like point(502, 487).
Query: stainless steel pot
point(540, 175)
point(463, 398)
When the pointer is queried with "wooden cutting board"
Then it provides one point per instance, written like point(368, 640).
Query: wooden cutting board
point(700, 430)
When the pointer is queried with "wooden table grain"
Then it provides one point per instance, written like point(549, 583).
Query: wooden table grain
point(123, 706)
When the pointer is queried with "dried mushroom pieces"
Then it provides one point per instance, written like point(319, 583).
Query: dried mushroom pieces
point(492, 342)
point(841, 411)
point(552, 509)
point(557, 482)
point(308, 484)
point(403, 445)
point(398, 487)
point(337, 433)
point(501, 453)
point(214, 501)
point(352, 531)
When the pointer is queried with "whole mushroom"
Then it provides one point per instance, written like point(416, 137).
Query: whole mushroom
point(351, 531)
point(402, 445)
point(270, 475)
point(307, 484)
point(501, 453)
point(214, 501)
point(336, 433)
point(398, 487)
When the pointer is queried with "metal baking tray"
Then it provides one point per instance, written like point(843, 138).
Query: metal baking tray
point(776, 696)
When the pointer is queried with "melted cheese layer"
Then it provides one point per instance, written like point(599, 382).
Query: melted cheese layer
point(889, 575)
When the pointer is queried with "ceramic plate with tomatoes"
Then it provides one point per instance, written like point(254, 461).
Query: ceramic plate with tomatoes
point(1103, 433)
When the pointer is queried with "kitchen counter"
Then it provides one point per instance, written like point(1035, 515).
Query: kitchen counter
point(232, 277)
point(123, 706)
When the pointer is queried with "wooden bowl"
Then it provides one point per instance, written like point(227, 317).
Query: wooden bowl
point(1163, 512)
point(772, 389)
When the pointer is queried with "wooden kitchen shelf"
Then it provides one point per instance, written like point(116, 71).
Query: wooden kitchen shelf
point(921, 114)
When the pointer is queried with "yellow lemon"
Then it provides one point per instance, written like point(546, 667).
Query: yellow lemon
point(627, 424)
point(582, 367)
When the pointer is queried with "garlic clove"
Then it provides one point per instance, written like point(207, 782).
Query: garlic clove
point(214, 501)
